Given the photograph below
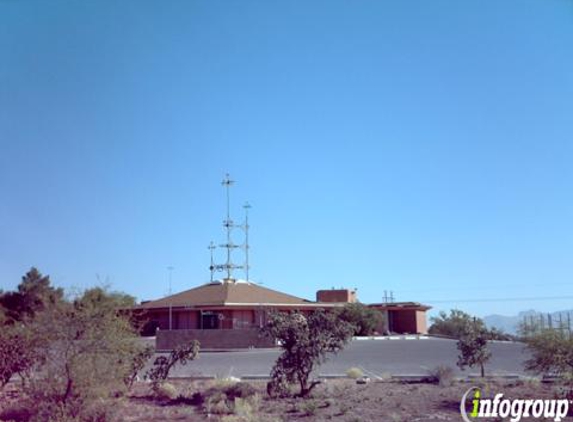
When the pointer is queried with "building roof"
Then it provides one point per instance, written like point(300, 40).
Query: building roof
point(401, 305)
point(226, 293)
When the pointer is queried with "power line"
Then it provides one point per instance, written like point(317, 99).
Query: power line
point(481, 286)
point(505, 299)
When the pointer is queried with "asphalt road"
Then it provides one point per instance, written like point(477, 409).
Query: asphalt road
point(375, 357)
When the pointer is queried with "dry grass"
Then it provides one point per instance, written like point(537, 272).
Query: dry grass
point(335, 400)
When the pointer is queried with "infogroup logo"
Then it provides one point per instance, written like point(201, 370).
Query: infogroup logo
point(498, 407)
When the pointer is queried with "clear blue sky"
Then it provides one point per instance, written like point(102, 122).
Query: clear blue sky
point(424, 147)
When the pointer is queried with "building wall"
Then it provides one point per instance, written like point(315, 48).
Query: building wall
point(400, 321)
point(421, 322)
point(191, 319)
point(405, 321)
point(243, 319)
point(336, 296)
point(186, 320)
point(212, 339)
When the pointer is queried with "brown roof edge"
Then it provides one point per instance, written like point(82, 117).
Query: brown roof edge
point(247, 294)
point(244, 305)
point(401, 305)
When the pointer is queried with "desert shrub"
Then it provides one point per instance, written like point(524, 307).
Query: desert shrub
point(18, 353)
point(226, 398)
point(87, 347)
point(240, 390)
point(137, 363)
point(308, 407)
point(443, 375)
point(365, 320)
point(166, 391)
point(79, 351)
point(163, 364)
point(354, 373)
point(305, 342)
point(551, 353)
point(74, 411)
point(232, 391)
point(248, 407)
point(218, 403)
point(243, 408)
point(473, 348)
point(455, 325)
point(564, 388)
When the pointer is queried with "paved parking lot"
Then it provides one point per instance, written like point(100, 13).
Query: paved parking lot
point(376, 357)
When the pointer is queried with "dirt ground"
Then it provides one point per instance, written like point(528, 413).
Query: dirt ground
point(334, 400)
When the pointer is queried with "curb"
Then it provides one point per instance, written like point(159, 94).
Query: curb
point(400, 337)
point(412, 378)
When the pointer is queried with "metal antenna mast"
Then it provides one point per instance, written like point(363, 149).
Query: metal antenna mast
point(212, 267)
point(229, 225)
point(247, 206)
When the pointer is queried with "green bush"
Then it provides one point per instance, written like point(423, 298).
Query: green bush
point(88, 348)
point(166, 391)
point(365, 320)
point(18, 353)
point(354, 373)
point(305, 342)
point(454, 325)
point(457, 323)
point(79, 351)
point(551, 353)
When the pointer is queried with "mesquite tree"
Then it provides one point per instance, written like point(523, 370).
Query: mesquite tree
point(305, 340)
point(473, 348)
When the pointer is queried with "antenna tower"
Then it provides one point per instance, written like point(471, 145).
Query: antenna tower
point(229, 225)
point(246, 207)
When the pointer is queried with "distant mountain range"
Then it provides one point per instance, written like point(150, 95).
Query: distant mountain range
point(510, 324)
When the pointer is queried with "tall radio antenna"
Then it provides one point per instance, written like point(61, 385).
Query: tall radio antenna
point(229, 225)
point(212, 267)
point(246, 207)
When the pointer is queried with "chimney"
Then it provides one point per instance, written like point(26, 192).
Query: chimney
point(336, 296)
